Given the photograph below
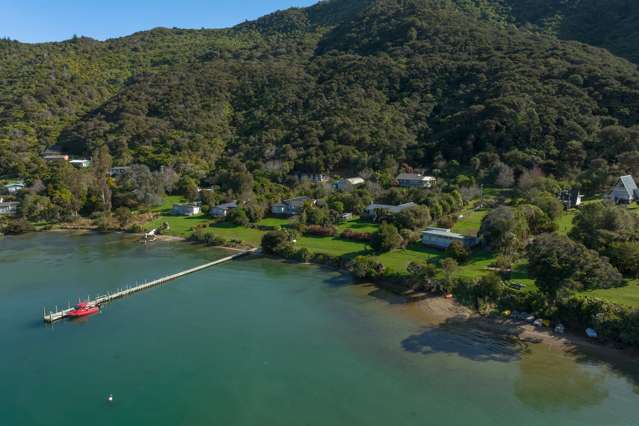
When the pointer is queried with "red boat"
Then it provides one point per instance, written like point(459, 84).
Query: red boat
point(83, 309)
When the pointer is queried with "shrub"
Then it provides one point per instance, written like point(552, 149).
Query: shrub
point(458, 251)
point(349, 234)
point(275, 242)
point(366, 267)
point(238, 217)
point(386, 239)
point(320, 231)
point(18, 226)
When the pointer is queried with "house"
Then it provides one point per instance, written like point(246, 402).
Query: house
point(625, 191)
point(223, 209)
point(119, 171)
point(349, 184)
point(292, 206)
point(442, 238)
point(80, 164)
point(186, 209)
point(346, 216)
point(373, 209)
point(414, 180)
point(8, 208)
point(14, 187)
point(570, 198)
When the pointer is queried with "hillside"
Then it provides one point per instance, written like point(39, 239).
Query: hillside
point(343, 85)
point(611, 24)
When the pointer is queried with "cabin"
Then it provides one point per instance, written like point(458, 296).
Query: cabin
point(625, 191)
point(186, 209)
point(14, 187)
point(81, 163)
point(571, 199)
point(119, 171)
point(349, 184)
point(442, 238)
point(223, 209)
point(415, 180)
point(292, 206)
point(372, 210)
point(8, 208)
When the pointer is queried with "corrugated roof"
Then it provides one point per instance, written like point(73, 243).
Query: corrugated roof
point(413, 176)
point(231, 205)
point(441, 232)
point(629, 183)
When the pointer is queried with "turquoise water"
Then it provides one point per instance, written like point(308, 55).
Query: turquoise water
point(261, 342)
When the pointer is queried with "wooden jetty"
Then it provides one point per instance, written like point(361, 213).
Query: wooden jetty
point(57, 315)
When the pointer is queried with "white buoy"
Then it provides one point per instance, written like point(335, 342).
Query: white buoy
point(110, 398)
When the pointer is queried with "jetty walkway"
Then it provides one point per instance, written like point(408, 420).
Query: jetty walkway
point(56, 315)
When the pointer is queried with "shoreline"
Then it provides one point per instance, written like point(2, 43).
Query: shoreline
point(436, 310)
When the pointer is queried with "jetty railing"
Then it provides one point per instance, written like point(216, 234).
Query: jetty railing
point(57, 315)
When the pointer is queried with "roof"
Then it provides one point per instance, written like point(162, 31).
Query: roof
point(354, 181)
point(442, 232)
point(391, 208)
point(629, 184)
point(9, 204)
point(14, 184)
point(191, 205)
point(413, 176)
point(231, 205)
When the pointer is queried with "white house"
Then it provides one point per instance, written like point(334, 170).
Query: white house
point(349, 184)
point(442, 238)
point(625, 191)
point(56, 158)
point(81, 163)
point(14, 187)
point(223, 209)
point(186, 209)
point(373, 209)
point(8, 208)
point(292, 206)
point(415, 180)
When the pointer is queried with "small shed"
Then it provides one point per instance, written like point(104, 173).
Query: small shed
point(349, 184)
point(625, 190)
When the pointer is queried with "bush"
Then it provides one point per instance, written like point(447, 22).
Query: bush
point(238, 217)
point(320, 231)
point(386, 239)
point(458, 251)
point(366, 267)
point(275, 242)
point(349, 234)
point(18, 226)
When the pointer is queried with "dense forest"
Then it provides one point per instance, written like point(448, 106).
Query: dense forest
point(342, 87)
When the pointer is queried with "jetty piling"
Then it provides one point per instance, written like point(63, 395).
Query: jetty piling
point(123, 292)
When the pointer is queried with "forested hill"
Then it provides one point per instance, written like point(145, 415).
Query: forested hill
point(345, 85)
point(611, 24)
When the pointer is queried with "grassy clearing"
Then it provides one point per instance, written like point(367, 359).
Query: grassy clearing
point(398, 260)
point(358, 225)
point(180, 226)
point(471, 222)
point(233, 232)
point(628, 295)
point(274, 221)
point(565, 222)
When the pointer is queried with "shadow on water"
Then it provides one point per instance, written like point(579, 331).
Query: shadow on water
point(469, 338)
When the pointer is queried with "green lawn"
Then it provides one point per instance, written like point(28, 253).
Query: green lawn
point(564, 223)
point(628, 295)
point(180, 226)
point(274, 221)
point(398, 260)
point(358, 225)
point(469, 225)
point(332, 246)
point(232, 232)
point(167, 205)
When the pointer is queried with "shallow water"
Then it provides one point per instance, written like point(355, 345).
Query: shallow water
point(258, 341)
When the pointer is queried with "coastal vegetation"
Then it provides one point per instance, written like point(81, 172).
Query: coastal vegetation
point(504, 117)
